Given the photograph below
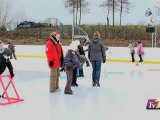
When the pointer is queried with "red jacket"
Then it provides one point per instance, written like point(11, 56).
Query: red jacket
point(54, 53)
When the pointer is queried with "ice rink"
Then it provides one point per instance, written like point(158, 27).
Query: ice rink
point(123, 95)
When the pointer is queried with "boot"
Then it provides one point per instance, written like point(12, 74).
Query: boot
point(94, 84)
point(69, 92)
point(98, 84)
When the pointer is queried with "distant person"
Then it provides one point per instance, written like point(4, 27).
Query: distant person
point(132, 51)
point(5, 62)
point(70, 62)
point(140, 50)
point(55, 57)
point(96, 55)
point(1, 45)
point(12, 48)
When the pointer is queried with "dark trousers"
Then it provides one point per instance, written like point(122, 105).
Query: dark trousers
point(69, 73)
point(132, 55)
point(13, 55)
point(74, 80)
point(140, 57)
point(96, 65)
point(87, 63)
point(80, 71)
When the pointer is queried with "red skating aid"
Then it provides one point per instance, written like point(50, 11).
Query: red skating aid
point(5, 96)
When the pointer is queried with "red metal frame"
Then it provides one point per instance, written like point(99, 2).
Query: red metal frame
point(6, 99)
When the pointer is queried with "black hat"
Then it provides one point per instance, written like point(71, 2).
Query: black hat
point(6, 51)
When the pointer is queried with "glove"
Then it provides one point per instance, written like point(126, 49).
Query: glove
point(51, 63)
point(104, 61)
point(12, 75)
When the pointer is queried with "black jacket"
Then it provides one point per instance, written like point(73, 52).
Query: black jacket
point(5, 63)
point(81, 50)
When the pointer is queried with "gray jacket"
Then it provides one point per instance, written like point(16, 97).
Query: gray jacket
point(96, 50)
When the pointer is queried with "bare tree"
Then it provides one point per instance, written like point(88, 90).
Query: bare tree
point(110, 5)
point(123, 6)
point(83, 8)
point(113, 9)
point(77, 7)
point(4, 13)
point(20, 16)
point(77, 10)
point(8, 19)
point(107, 7)
point(71, 5)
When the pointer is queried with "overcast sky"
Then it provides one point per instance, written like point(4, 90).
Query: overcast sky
point(42, 9)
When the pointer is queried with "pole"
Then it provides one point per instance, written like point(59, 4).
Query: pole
point(72, 31)
point(152, 39)
point(155, 41)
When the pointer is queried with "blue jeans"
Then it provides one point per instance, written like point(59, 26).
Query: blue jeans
point(80, 71)
point(96, 65)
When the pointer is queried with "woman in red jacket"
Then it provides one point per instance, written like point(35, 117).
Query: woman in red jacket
point(55, 58)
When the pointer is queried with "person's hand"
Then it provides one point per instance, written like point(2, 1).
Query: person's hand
point(51, 63)
point(104, 61)
point(12, 75)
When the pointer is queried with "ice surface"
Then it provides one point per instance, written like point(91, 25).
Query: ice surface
point(123, 95)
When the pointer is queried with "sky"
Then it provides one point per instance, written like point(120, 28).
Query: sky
point(41, 9)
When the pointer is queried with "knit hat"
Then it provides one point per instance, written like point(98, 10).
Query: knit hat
point(6, 51)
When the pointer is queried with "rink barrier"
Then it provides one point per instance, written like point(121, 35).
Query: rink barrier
point(108, 60)
point(145, 61)
point(30, 56)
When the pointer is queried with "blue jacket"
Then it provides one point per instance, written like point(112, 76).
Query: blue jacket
point(71, 61)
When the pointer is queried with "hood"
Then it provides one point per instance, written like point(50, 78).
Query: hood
point(96, 40)
point(139, 45)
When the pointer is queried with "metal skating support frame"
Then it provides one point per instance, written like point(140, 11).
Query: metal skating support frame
point(6, 99)
point(84, 36)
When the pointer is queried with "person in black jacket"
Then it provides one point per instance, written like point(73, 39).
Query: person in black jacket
point(5, 62)
point(12, 48)
point(82, 52)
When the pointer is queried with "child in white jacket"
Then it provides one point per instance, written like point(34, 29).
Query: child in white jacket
point(132, 51)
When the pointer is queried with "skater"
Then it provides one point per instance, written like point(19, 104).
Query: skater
point(70, 62)
point(140, 50)
point(55, 58)
point(12, 48)
point(81, 52)
point(1, 45)
point(132, 51)
point(96, 55)
point(82, 59)
point(5, 62)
